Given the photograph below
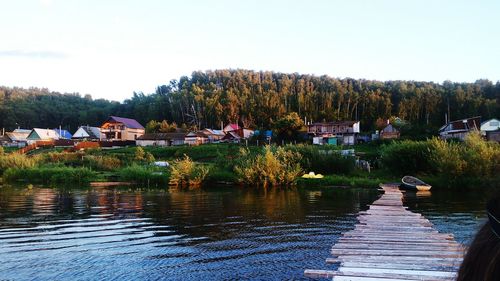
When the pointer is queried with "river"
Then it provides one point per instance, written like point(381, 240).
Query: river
point(218, 233)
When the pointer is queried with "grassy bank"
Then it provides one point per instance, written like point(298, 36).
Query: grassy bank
point(473, 163)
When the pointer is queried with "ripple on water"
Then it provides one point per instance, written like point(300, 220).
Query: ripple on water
point(217, 234)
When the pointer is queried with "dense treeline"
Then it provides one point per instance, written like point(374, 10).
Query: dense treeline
point(33, 107)
point(257, 99)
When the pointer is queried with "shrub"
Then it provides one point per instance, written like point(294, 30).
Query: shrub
point(2, 151)
point(447, 157)
point(407, 157)
point(15, 160)
point(106, 163)
point(324, 159)
point(474, 157)
point(482, 157)
point(271, 167)
point(139, 154)
point(185, 172)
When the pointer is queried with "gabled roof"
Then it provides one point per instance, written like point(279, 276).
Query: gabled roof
point(63, 134)
point(231, 127)
point(17, 136)
point(162, 136)
point(87, 132)
point(128, 122)
point(43, 134)
point(490, 120)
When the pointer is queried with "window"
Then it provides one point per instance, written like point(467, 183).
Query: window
point(494, 123)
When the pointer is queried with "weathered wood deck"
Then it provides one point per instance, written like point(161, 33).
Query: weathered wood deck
point(391, 243)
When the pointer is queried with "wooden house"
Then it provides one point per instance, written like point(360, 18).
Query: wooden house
point(346, 131)
point(195, 138)
point(161, 139)
point(389, 132)
point(38, 134)
point(16, 138)
point(87, 133)
point(458, 129)
point(121, 129)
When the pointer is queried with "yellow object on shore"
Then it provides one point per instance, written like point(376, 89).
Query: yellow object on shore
point(311, 175)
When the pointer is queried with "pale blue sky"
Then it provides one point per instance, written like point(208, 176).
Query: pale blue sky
point(111, 48)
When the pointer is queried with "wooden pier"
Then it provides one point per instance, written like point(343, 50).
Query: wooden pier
point(391, 243)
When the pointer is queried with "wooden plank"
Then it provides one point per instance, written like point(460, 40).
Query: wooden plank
point(399, 253)
point(392, 243)
point(431, 273)
point(412, 265)
point(353, 278)
point(397, 247)
point(318, 273)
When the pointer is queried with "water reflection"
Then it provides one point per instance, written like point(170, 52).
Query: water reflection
point(218, 233)
point(214, 234)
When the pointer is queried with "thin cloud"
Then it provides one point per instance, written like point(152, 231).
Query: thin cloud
point(33, 54)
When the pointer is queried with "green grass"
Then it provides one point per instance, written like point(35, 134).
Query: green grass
point(145, 175)
point(49, 175)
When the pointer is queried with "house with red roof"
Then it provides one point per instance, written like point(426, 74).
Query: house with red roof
point(121, 129)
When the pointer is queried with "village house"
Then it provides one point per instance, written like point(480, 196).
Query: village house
point(196, 138)
point(235, 133)
point(121, 129)
point(38, 134)
point(389, 132)
point(337, 132)
point(161, 139)
point(458, 129)
point(87, 133)
point(491, 129)
point(16, 138)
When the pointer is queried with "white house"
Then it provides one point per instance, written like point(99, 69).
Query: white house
point(490, 125)
point(87, 133)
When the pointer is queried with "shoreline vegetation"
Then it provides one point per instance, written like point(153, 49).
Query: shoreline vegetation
point(444, 164)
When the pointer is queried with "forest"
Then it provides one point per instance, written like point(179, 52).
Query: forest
point(256, 99)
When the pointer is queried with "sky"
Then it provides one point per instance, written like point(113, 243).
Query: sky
point(111, 48)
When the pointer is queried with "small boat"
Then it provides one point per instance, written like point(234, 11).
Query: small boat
point(311, 175)
point(412, 183)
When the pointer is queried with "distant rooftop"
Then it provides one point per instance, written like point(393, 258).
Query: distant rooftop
point(128, 122)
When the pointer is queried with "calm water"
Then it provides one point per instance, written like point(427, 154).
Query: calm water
point(211, 234)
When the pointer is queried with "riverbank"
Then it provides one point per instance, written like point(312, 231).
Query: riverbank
point(471, 164)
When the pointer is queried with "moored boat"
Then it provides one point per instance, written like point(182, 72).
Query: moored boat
point(412, 183)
